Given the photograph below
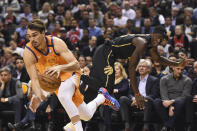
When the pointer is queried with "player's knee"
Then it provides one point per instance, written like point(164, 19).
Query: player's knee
point(87, 117)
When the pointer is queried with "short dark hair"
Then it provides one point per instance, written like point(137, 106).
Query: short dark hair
point(37, 24)
point(160, 30)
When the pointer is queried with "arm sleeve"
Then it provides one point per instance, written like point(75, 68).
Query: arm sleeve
point(19, 92)
point(163, 89)
point(187, 89)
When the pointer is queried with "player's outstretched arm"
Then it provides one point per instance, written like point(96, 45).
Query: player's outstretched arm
point(165, 61)
point(140, 44)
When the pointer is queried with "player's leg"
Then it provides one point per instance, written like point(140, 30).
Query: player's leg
point(65, 94)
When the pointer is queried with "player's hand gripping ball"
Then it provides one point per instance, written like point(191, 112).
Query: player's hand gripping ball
point(49, 83)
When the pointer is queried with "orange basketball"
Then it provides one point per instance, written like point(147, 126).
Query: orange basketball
point(49, 83)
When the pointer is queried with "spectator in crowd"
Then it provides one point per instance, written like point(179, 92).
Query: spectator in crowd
point(60, 12)
point(6, 58)
point(21, 73)
point(10, 93)
point(56, 32)
point(90, 49)
point(157, 19)
point(180, 40)
point(130, 27)
point(22, 30)
point(43, 14)
point(27, 14)
point(67, 20)
point(192, 73)
point(84, 40)
point(128, 12)
point(176, 20)
point(148, 87)
point(97, 15)
point(169, 27)
point(157, 70)
point(4, 34)
point(191, 105)
point(51, 22)
point(167, 47)
point(84, 23)
point(121, 86)
point(147, 28)
point(75, 34)
point(93, 29)
point(120, 20)
point(10, 17)
point(82, 62)
point(15, 48)
point(174, 88)
point(189, 29)
point(139, 20)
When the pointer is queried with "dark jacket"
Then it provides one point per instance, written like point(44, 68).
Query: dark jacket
point(152, 87)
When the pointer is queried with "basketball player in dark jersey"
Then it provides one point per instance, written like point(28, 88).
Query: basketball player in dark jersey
point(131, 46)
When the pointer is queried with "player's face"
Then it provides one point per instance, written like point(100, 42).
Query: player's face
point(35, 37)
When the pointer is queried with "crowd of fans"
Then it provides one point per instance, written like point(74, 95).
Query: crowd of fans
point(170, 92)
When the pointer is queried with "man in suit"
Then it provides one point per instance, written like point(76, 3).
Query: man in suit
point(89, 50)
point(174, 88)
point(148, 87)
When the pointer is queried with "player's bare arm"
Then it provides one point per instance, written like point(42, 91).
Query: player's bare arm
point(163, 60)
point(30, 63)
point(61, 48)
point(140, 44)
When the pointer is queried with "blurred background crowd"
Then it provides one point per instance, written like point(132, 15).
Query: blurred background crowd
point(86, 24)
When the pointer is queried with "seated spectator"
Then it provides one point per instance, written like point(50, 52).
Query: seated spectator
point(10, 93)
point(130, 28)
point(82, 62)
point(21, 30)
point(167, 47)
point(168, 69)
point(191, 105)
point(180, 40)
point(157, 19)
point(174, 88)
point(15, 49)
point(93, 29)
point(75, 34)
point(43, 14)
point(21, 72)
point(169, 27)
point(51, 22)
point(67, 20)
point(128, 12)
point(121, 86)
point(27, 14)
point(90, 49)
point(120, 20)
point(192, 73)
point(148, 87)
point(157, 70)
point(147, 28)
point(6, 58)
point(139, 20)
point(97, 15)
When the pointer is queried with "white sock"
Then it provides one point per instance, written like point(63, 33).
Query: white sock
point(78, 126)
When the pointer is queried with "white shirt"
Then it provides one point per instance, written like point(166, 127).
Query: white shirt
point(120, 22)
point(142, 86)
point(130, 14)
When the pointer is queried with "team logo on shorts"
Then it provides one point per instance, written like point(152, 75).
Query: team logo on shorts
point(108, 70)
